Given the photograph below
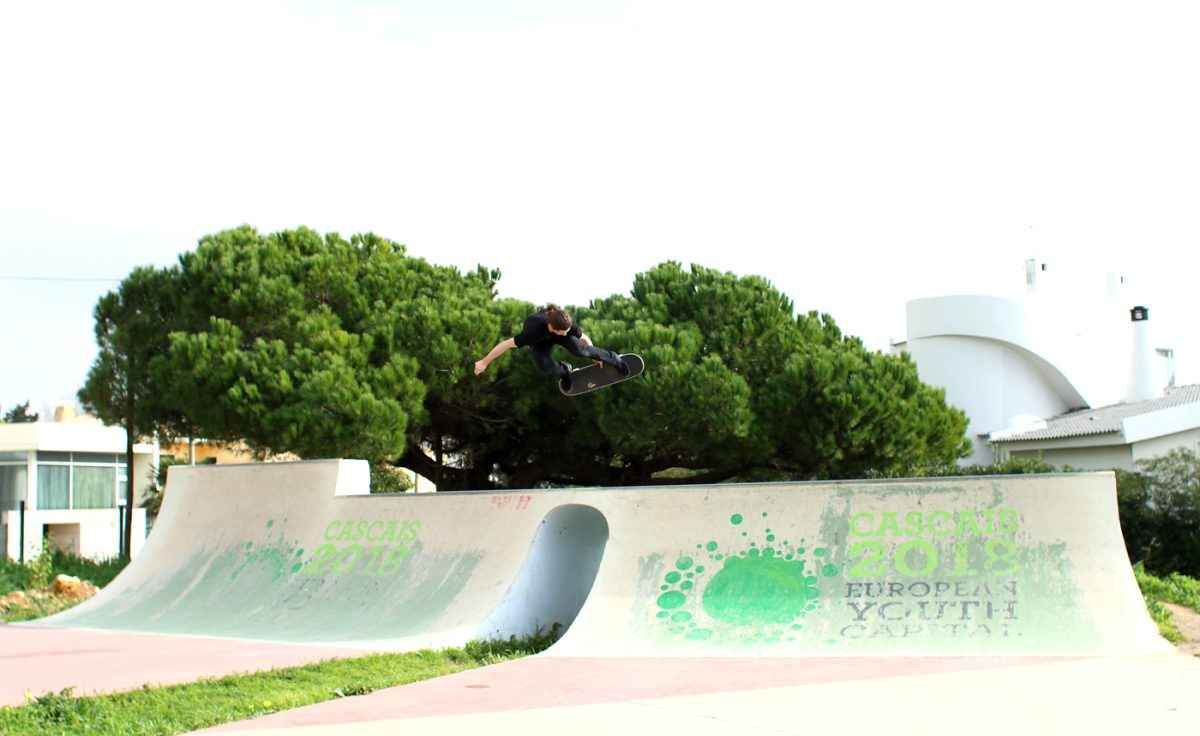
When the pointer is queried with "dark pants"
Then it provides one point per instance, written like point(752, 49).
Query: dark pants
point(541, 354)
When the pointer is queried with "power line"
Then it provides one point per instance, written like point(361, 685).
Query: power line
point(57, 278)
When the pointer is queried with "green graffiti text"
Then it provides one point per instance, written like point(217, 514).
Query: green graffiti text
point(974, 523)
point(351, 530)
point(917, 558)
point(381, 560)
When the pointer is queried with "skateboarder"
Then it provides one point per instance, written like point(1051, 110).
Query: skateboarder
point(545, 328)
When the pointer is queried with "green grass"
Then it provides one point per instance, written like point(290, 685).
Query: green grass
point(1175, 588)
point(180, 708)
point(99, 574)
point(12, 576)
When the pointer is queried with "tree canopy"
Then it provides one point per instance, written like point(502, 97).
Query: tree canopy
point(736, 387)
point(19, 414)
point(333, 347)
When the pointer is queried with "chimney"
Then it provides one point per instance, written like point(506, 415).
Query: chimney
point(1032, 267)
point(1141, 375)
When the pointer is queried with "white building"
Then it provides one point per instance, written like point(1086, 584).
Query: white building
point(1074, 381)
point(68, 481)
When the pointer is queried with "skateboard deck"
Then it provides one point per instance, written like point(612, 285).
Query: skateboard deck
point(591, 377)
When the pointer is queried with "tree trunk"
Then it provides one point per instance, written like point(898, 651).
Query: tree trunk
point(127, 517)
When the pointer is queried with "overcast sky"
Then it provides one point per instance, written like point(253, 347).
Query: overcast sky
point(857, 154)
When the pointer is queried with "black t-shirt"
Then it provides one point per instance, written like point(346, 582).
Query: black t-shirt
point(537, 329)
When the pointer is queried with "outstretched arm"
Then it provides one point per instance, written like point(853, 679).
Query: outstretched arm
point(481, 365)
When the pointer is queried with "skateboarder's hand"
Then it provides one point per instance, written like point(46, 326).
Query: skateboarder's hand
point(480, 367)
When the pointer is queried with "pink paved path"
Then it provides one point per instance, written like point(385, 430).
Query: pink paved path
point(938, 696)
point(935, 696)
point(550, 682)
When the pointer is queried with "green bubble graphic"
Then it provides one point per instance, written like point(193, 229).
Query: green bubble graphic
point(758, 590)
point(754, 596)
point(671, 599)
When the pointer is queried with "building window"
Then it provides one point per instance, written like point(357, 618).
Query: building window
point(94, 488)
point(81, 480)
point(14, 476)
point(54, 486)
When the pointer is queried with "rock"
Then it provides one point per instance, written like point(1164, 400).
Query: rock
point(72, 587)
point(66, 585)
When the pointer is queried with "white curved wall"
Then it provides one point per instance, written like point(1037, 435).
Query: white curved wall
point(990, 360)
point(997, 386)
point(971, 314)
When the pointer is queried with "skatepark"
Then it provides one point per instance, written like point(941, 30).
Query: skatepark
point(981, 605)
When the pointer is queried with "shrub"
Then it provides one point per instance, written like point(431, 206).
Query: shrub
point(1160, 513)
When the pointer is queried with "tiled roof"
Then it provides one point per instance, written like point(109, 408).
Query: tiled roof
point(1083, 422)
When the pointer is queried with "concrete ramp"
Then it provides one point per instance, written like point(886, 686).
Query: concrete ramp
point(301, 553)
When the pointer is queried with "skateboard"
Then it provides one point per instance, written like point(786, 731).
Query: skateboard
point(591, 377)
